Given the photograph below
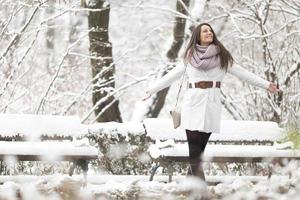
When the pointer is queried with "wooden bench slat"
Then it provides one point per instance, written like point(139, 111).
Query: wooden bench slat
point(52, 158)
point(232, 159)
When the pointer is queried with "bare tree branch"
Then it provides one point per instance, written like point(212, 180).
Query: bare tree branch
point(57, 72)
point(17, 36)
point(291, 73)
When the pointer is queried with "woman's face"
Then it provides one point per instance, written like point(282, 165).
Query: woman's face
point(206, 35)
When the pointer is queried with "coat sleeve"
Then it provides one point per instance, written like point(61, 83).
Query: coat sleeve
point(167, 79)
point(247, 76)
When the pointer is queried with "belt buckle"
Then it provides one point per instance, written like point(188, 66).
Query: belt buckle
point(214, 84)
point(203, 85)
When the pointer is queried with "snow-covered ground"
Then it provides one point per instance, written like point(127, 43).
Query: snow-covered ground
point(139, 187)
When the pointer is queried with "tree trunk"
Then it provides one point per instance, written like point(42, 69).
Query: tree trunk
point(100, 47)
point(172, 54)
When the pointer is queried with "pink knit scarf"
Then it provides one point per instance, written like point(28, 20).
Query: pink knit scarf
point(205, 57)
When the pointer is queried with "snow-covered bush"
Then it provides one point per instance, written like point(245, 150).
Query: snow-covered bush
point(292, 131)
point(123, 145)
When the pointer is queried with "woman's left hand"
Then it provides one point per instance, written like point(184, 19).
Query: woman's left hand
point(273, 88)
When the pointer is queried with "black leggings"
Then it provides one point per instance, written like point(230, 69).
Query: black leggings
point(197, 142)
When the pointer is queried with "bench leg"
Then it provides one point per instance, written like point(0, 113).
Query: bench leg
point(153, 171)
point(72, 168)
point(170, 171)
point(84, 164)
point(270, 167)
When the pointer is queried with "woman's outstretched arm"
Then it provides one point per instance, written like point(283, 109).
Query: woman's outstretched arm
point(251, 78)
point(165, 81)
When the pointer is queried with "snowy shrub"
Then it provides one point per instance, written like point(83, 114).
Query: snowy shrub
point(292, 131)
point(124, 149)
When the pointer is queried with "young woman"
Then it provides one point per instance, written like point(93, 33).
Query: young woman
point(207, 62)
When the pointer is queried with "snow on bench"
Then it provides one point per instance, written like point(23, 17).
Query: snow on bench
point(228, 153)
point(33, 128)
point(48, 151)
point(231, 130)
point(174, 147)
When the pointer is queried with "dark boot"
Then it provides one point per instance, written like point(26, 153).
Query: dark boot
point(197, 170)
point(197, 142)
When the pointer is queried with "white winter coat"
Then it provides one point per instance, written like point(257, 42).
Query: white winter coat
point(201, 108)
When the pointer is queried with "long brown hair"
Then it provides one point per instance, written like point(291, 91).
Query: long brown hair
point(225, 56)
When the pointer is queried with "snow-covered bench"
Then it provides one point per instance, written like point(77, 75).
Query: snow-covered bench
point(228, 146)
point(31, 129)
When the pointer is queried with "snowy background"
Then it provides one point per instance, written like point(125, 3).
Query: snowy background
point(262, 36)
point(47, 70)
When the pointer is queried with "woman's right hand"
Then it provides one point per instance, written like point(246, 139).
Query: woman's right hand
point(273, 88)
point(146, 96)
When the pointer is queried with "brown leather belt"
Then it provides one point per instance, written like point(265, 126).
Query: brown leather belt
point(204, 84)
